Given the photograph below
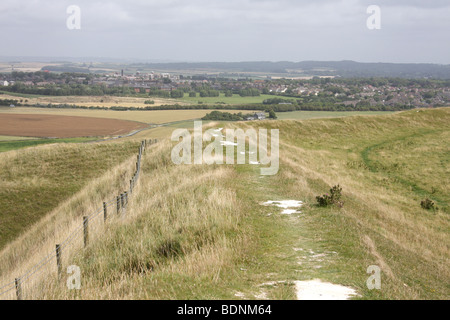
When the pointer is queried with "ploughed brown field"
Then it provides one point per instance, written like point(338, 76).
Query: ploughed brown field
point(28, 125)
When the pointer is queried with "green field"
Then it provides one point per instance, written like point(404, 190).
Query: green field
point(12, 138)
point(20, 95)
point(31, 142)
point(235, 99)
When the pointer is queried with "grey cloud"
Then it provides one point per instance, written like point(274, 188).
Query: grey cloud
point(230, 30)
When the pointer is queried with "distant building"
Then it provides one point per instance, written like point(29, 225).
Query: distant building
point(256, 116)
point(5, 83)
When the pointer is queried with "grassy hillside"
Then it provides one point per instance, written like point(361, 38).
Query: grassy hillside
point(36, 180)
point(11, 144)
point(201, 232)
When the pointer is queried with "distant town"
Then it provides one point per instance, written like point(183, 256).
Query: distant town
point(316, 93)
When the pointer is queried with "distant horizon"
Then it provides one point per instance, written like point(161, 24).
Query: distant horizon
point(85, 59)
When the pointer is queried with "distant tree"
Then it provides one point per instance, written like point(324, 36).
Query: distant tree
point(272, 114)
point(176, 94)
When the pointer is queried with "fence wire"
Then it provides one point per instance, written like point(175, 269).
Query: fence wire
point(38, 268)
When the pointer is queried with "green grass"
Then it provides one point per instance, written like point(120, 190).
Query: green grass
point(14, 144)
point(21, 95)
point(235, 99)
point(13, 138)
point(35, 181)
point(386, 166)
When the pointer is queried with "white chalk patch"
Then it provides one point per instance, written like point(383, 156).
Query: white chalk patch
point(287, 205)
point(288, 211)
point(318, 290)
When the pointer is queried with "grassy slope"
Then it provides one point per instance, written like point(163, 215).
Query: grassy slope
point(32, 142)
point(36, 180)
point(386, 166)
point(199, 232)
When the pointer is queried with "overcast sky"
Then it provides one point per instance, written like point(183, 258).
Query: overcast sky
point(229, 30)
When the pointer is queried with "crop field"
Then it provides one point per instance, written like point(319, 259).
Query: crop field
point(63, 126)
point(138, 102)
point(235, 99)
point(150, 117)
point(88, 101)
point(23, 66)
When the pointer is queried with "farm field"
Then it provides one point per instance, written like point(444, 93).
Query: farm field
point(63, 126)
point(23, 66)
point(235, 99)
point(149, 117)
point(88, 101)
point(305, 115)
point(138, 102)
point(204, 232)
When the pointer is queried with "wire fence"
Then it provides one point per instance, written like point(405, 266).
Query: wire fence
point(119, 203)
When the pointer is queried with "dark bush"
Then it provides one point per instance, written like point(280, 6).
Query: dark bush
point(428, 204)
point(333, 198)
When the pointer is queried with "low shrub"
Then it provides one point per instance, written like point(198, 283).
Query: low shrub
point(428, 204)
point(333, 198)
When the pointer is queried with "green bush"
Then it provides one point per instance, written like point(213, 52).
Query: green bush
point(333, 198)
point(428, 204)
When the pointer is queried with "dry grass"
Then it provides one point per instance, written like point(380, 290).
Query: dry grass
point(40, 240)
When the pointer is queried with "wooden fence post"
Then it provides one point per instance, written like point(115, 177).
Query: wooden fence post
point(86, 230)
point(105, 212)
point(58, 260)
point(18, 289)
point(118, 204)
